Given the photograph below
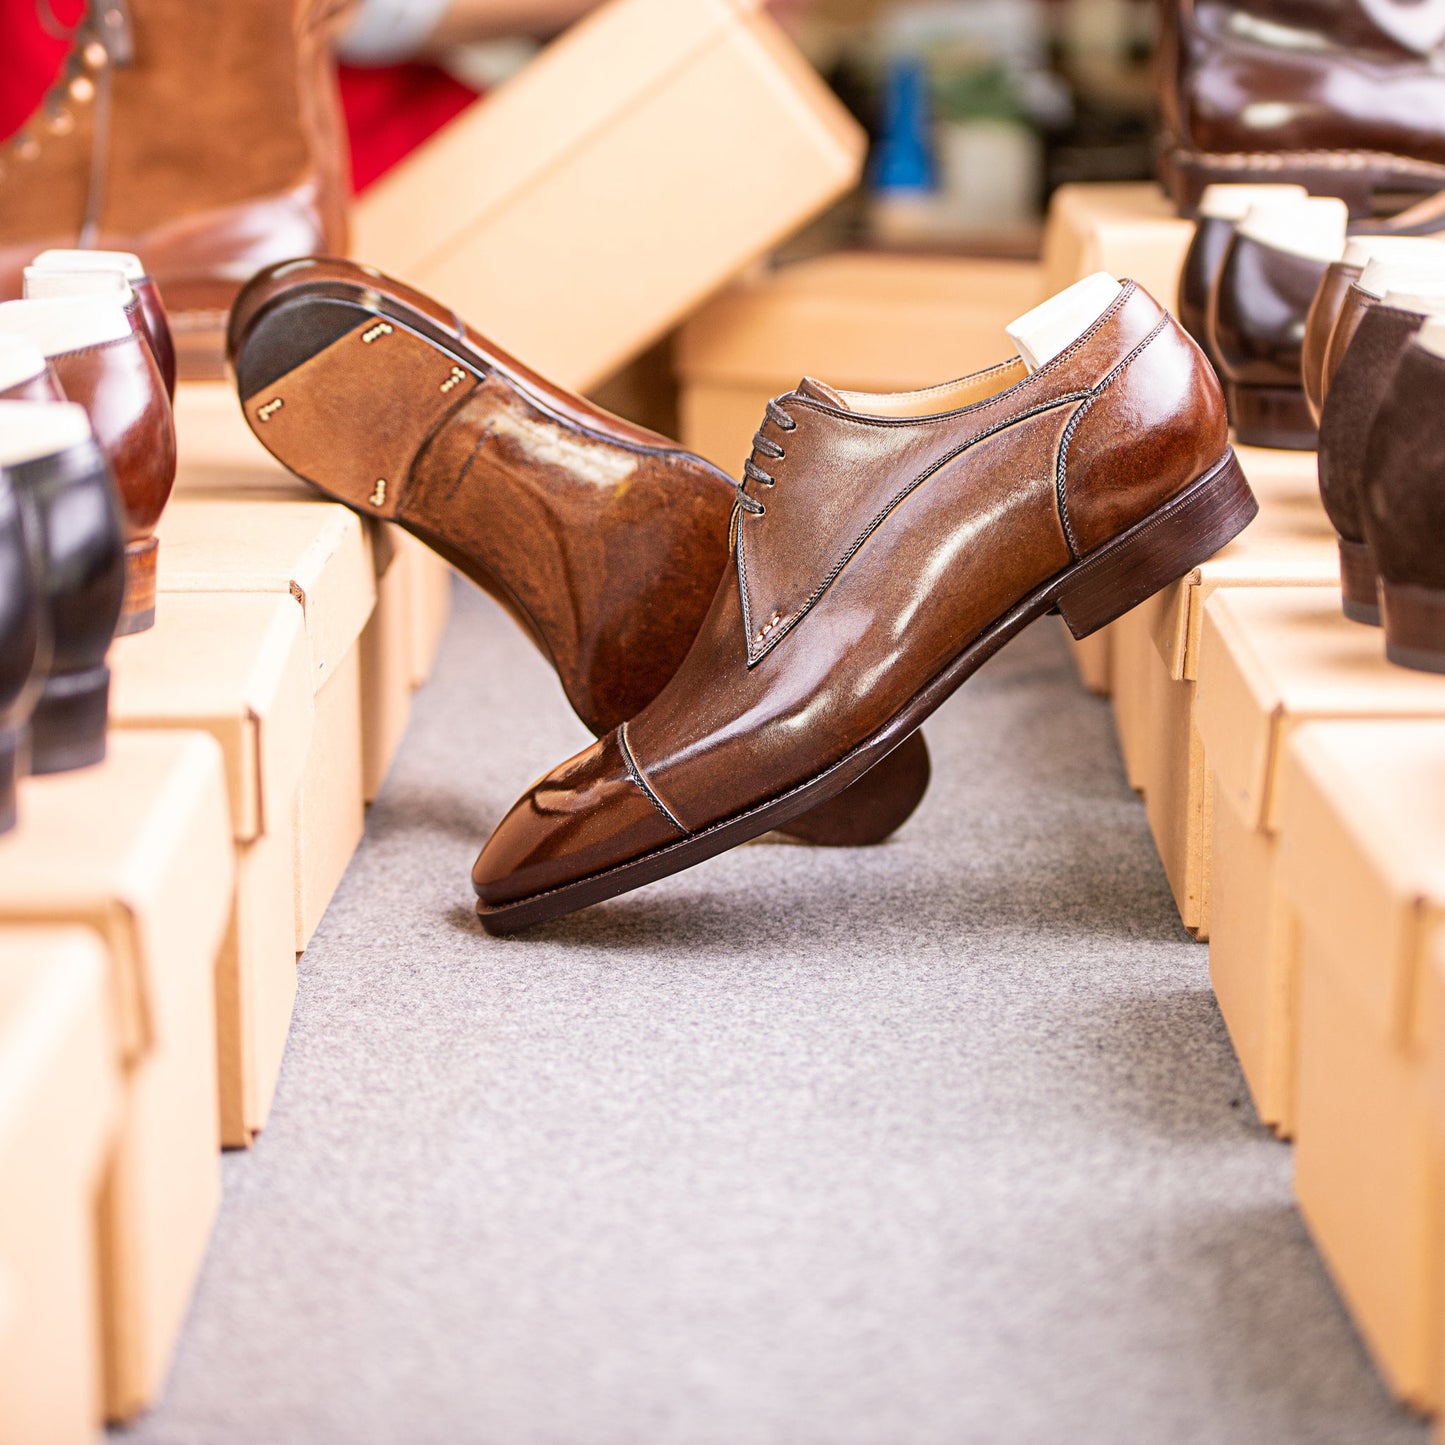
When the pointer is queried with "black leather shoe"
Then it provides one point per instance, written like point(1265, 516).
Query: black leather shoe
point(24, 634)
point(51, 460)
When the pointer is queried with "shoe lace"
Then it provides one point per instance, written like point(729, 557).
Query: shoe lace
point(772, 451)
point(101, 40)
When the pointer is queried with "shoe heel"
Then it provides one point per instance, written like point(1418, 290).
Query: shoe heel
point(1167, 545)
point(67, 728)
point(1359, 583)
point(10, 757)
point(138, 610)
point(1272, 416)
point(1414, 620)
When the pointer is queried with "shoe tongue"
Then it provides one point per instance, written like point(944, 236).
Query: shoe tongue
point(818, 391)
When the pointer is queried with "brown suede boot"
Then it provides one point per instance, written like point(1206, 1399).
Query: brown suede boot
point(205, 138)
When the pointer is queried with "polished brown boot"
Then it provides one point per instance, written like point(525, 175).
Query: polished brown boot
point(72, 273)
point(1082, 484)
point(1404, 508)
point(1380, 328)
point(202, 137)
point(604, 542)
point(102, 361)
point(1262, 294)
point(1344, 98)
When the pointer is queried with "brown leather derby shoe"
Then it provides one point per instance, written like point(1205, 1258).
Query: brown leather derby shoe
point(603, 541)
point(885, 546)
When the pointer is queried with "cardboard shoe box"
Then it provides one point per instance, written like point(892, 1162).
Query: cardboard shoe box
point(318, 554)
point(1362, 863)
point(645, 158)
point(238, 666)
point(1157, 670)
point(59, 1093)
point(859, 321)
point(1276, 658)
point(155, 883)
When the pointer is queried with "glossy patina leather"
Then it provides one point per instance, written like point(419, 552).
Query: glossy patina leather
point(224, 150)
point(156, 328)
point(1257, 316)
point(886, 544)
point(1361, 383)
point(24, 623)
point(1404, 501)
point(1206, 253)
point(603, 540)
point(42, 387)
point(1324, 312)
point(121, 390)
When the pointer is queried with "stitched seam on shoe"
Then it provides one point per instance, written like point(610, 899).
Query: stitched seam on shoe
point(1061, 469)
point(879, 518)
point(635, 773)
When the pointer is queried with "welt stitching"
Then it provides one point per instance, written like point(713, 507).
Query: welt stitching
point(1068, 436)
point(95, 346)
point(882, 514)
point(635, 773)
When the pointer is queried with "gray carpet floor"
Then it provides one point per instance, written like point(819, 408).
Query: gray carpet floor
point(939, 1142)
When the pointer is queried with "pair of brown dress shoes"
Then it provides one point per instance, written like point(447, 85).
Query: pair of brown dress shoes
point(760, 655)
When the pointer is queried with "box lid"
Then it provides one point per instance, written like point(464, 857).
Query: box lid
point(642, 128)
point(1276, 657)
point(58, 1078)
point(1362, 853)
point(235, 665)
point(861, 321)
point(140, 850)
point(317, 552)
point(1290, 544)
point(219, 454)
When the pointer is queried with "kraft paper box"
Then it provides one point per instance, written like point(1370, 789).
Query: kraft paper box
point(1431, 1029)
point(59, 1097)
point(155, 883)
point(221, 459)
point(859, 321)
point(1276, 658)
point(316, 553)
point(1290, 544)
point(237, 665)
point(1362, 863)
point(643, 160)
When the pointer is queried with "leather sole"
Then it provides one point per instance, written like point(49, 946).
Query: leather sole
point(308, 343)
point(1362, 179)
point(68, 726)
point(1094, 591)
point(138, 608)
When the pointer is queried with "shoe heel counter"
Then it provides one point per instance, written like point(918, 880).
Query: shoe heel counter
point(1149, 429)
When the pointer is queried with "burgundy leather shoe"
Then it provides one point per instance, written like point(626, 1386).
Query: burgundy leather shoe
point(52, 462)
point(604, 541)
point(1345, 98)
point(102, 361)
point(885, 546)
point(1404, 509)
point(63, 273)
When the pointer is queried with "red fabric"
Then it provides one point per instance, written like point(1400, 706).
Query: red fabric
point(391, 111)
point(32, 57)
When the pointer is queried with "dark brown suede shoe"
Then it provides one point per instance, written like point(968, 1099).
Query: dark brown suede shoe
point(885, 546)
point(1369, 339)
point(1404, 508)
point(604, 541)
point(1260, 301)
